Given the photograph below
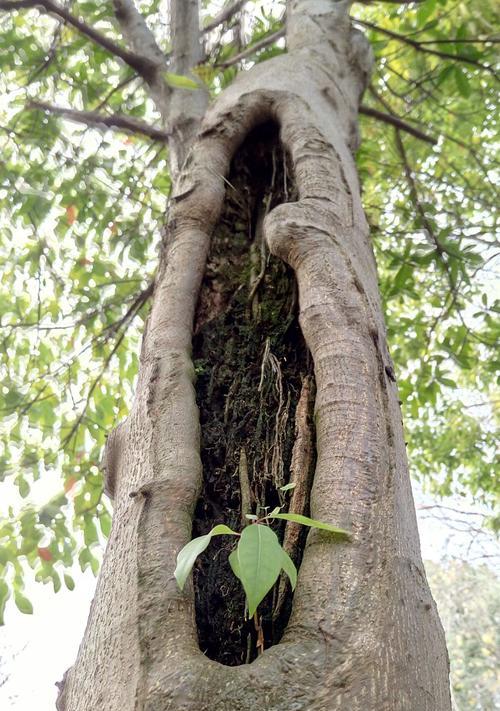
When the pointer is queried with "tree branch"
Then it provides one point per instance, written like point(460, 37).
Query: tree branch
point(421, 48)
point(114, 328)
point(470, 40)
point(248, 51)
point(224, 15)
point(412, 185)
point(141, 39)
point(139, 63)
point(394, 2)
point(93, 118)
point(136, 31)
point(394, 120)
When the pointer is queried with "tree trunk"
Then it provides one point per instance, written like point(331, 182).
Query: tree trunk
point(363, 633)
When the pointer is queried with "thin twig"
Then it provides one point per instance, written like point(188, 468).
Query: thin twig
point(129, 315)
point(224, 15)
point(93, 118)
point(398, 122)
point(249, 51)
point(420, 48)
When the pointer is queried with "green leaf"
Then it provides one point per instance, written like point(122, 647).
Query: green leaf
point(462, 82)
point(4, 596)
point(187, 556)
point(234, 563)
point(425, 11)
point(90, 535)
point(69, 582)
point(289, 486)
point(258, 562)
point(404, 274)
point(105, 522)
point(178, 81)
point(24, 487)
point(23, 604)
point(306, 521)
point(56, 581)
point(289, 567)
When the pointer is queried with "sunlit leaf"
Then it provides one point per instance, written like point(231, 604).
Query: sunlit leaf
point(187, 555)
point(178, 81)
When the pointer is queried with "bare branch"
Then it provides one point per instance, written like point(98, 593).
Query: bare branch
point(141, 39)
point(114, 328)
point(398, 123)
point(450, 508)
point(139, 63)
point(421, 48)
point(469, 40)
point(224, 15)
point(394, 2)
point(136, 32)
point(93, 118)
point(249, 51)
point(121, 84)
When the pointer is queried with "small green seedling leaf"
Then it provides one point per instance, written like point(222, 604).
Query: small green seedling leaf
point(252, 517)
point(289, 486)
point(257, 562)
point(312, 522)
point(274, 511)
point(178, 81)
point(188, 555)
point(289, 567)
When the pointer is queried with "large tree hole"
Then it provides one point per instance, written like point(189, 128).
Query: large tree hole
point(251, 363)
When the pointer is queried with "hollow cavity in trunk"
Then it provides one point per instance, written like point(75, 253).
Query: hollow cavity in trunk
point(251, 363)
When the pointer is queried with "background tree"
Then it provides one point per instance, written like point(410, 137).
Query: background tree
point(465, 594)
point(426, 145)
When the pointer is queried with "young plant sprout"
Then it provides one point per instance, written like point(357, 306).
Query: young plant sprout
point(258, 558)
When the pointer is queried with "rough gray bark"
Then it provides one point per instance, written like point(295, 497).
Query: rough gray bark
point(364, 631)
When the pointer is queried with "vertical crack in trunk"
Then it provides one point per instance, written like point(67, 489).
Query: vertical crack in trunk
point(251, 360)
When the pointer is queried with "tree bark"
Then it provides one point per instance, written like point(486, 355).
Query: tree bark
point(364, 631)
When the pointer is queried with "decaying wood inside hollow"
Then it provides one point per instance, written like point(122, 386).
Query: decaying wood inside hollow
point(250, 360)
